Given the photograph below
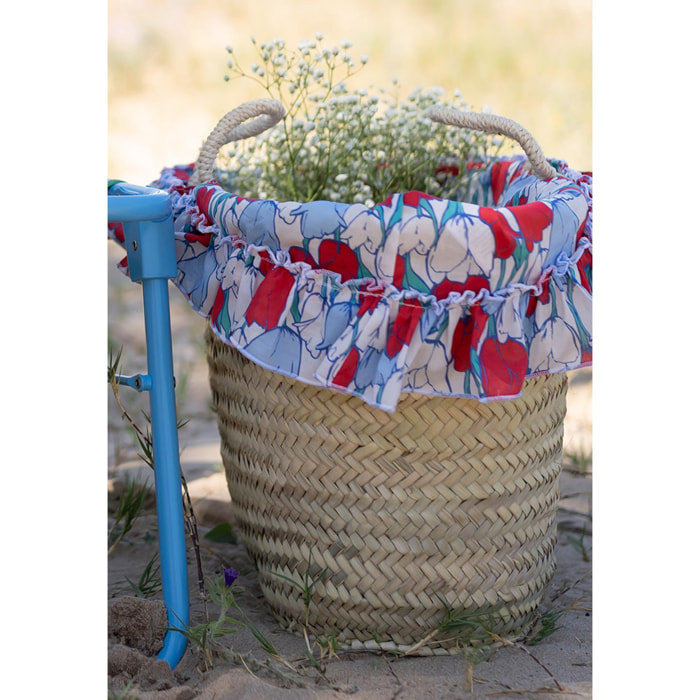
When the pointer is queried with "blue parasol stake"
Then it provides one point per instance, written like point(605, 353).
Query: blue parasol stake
point(149, 241)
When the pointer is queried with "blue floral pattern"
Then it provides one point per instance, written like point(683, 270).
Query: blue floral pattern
point(415, 294)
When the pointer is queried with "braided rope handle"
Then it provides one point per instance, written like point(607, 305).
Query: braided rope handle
point(493, 124)
point(233, 126)
point(266, 112)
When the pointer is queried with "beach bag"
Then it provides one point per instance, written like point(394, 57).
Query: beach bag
point(390, 386)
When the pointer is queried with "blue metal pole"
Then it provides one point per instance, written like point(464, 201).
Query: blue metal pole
point(150, 245)
point(171, 532)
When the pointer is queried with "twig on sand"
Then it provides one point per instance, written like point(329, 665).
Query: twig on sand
point(524, 649)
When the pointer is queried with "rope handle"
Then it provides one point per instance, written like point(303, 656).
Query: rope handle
point(493, 124)
point(266, 112)
point(233, 126)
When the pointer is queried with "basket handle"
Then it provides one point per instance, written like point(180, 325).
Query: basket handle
point(234, 126)
point(493, 124)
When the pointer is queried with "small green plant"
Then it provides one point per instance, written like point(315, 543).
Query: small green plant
point(468, 628)
point(306, 588)
point(460, 627)
point(341, 145)
point(328, 647)
point(231, 618)
point(546, 626)
point(149, 582)
point(223, 532)
point(580, 544)
point(124, 693)
point(144, 438)
point(547, 623)
point(473, 632)
point(579, 460)
point(470, 631)
point(128, 508)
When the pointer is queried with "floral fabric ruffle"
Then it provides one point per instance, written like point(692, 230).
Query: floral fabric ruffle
point(415, 294)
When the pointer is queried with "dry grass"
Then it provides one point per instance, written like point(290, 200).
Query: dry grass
point(528, 61)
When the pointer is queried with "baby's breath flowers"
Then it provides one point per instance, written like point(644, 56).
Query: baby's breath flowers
point(346, 145)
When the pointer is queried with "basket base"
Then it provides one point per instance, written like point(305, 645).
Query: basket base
point(380, 530)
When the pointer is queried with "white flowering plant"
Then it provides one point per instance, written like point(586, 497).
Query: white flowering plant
point(346, 145)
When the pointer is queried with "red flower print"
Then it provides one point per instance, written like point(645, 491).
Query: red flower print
point(270, 298)
point(542, 298)
point(399, 271)
point(117, 230)
point(403, 327)
point(202, 238)
point(585, 269)
point(499, 173)
point(504, 366)
point(184, 174)
point(474, 283)
point(338, 257)
point(368, 299)
point(413, 198)
point(218, 304)
point(298, 254)
point(466, 337)
point(581, 229)
point(348, 369)
point(502, 232)
point(442, 290)
point(532, 218)
point(264, 263)
point(204, 195)
point(462, 344)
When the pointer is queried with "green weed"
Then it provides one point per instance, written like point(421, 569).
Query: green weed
point(578, 461)
point(124, 693)
point(306, 587)
point(144, 437)
point(580, 544)
point(223, 532)
point(546, 626)
point(130, 504)
point(206, 636)
point(149, 582)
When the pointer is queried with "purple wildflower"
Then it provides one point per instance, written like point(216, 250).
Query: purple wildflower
point(230, 575)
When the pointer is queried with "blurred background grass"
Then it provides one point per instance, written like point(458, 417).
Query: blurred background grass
point(530, 61)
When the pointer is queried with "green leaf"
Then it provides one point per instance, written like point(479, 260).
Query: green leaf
point(221, 533)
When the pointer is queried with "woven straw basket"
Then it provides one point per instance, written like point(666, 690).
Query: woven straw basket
point(391, 520)
point(448, 501)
